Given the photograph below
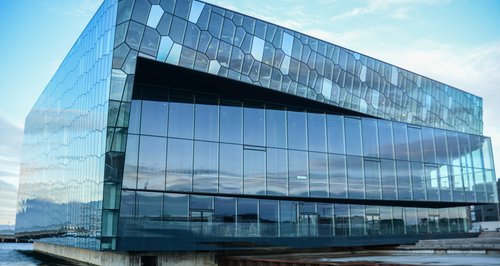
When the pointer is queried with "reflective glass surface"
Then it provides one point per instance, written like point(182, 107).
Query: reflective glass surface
point(62, 172)
point(265, 149)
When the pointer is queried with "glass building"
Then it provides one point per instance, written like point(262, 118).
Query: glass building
point(180, 125)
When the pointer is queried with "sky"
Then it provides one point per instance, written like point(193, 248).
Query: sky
point(456, 42)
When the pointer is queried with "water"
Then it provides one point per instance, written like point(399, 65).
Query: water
point(23, 254)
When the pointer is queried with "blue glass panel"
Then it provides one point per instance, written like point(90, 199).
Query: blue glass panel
point(231, 120)
point(386, 141)
point(276, 127)
point(297, 136)
point(353, 142)
point(355, 176)
point(205, 166)
point(247, 217)
point(231, 168)
point(206, 119)
point(297, 173)
point(341, 219)
point(154, 118)
point(254, 125)
point(318, 174)
point(288, 218)
point(441, 148)
point(254, 172)
point(131, 162)
point(151, 173)
point(388, 179)
point(316, 132)
point(415, 144)
point(372, 179)
point(268, 217)
point(338, 175)
point(335, 128)
point(403, 180)
point(400, 141)
point(370, 137)
point(277, 172)
point(181, 116)
point(135, 117)
point(175, 208)
point(179, 165)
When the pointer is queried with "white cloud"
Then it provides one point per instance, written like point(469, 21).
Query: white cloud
point(80, 9)
point(398, 9)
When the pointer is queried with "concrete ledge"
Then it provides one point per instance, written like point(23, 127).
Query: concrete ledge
point(94, 257)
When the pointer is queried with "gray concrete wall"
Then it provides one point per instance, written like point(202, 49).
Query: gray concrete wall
point(127, 259)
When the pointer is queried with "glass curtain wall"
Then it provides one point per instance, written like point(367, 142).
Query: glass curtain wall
point(204, 143)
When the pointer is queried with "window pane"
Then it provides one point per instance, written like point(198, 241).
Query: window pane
point(403, 177)
point(487, 154)
point(254, 172)
point(205, 166)
point(225, 216)
point(297, 173)
point(154, 118)
point(355, 176)
point(400, 141)
point(231, 170)
point(444, 183)
point(277, 172)
point(268, 217)
point(337, 172)
point(418, 180)
point(288, 218)
point(175, 207)
point(370, 137)
point(325, 219)
point(179, 164)
point(318, 174)
point(441, 149)
point(149, 207)
point(372, 179)
point(247, 217)
point(181, 116)
point(127, 211)
point(431, 178)
point(135, 117)
point(297, 130)
point(316, 132)
point(388, 179)
point(453, 149)
point(231, 122)
point(341, 219)
point(476, 146)
point(151, 174)
point(206, 119)
point(276, 127)
point(372, 172)
point(415, 144)
point(130, 168)
point(353, 131)
point(254, 125)
point(428, 145)
point(385, 139)
point(335, 126)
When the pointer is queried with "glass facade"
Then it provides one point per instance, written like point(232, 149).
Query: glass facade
point(286, 151)
point(371, 150)
point(62, 172)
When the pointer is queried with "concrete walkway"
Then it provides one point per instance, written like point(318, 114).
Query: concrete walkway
point(488, 243)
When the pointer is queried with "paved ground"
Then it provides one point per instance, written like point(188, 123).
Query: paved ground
point(424, 259)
